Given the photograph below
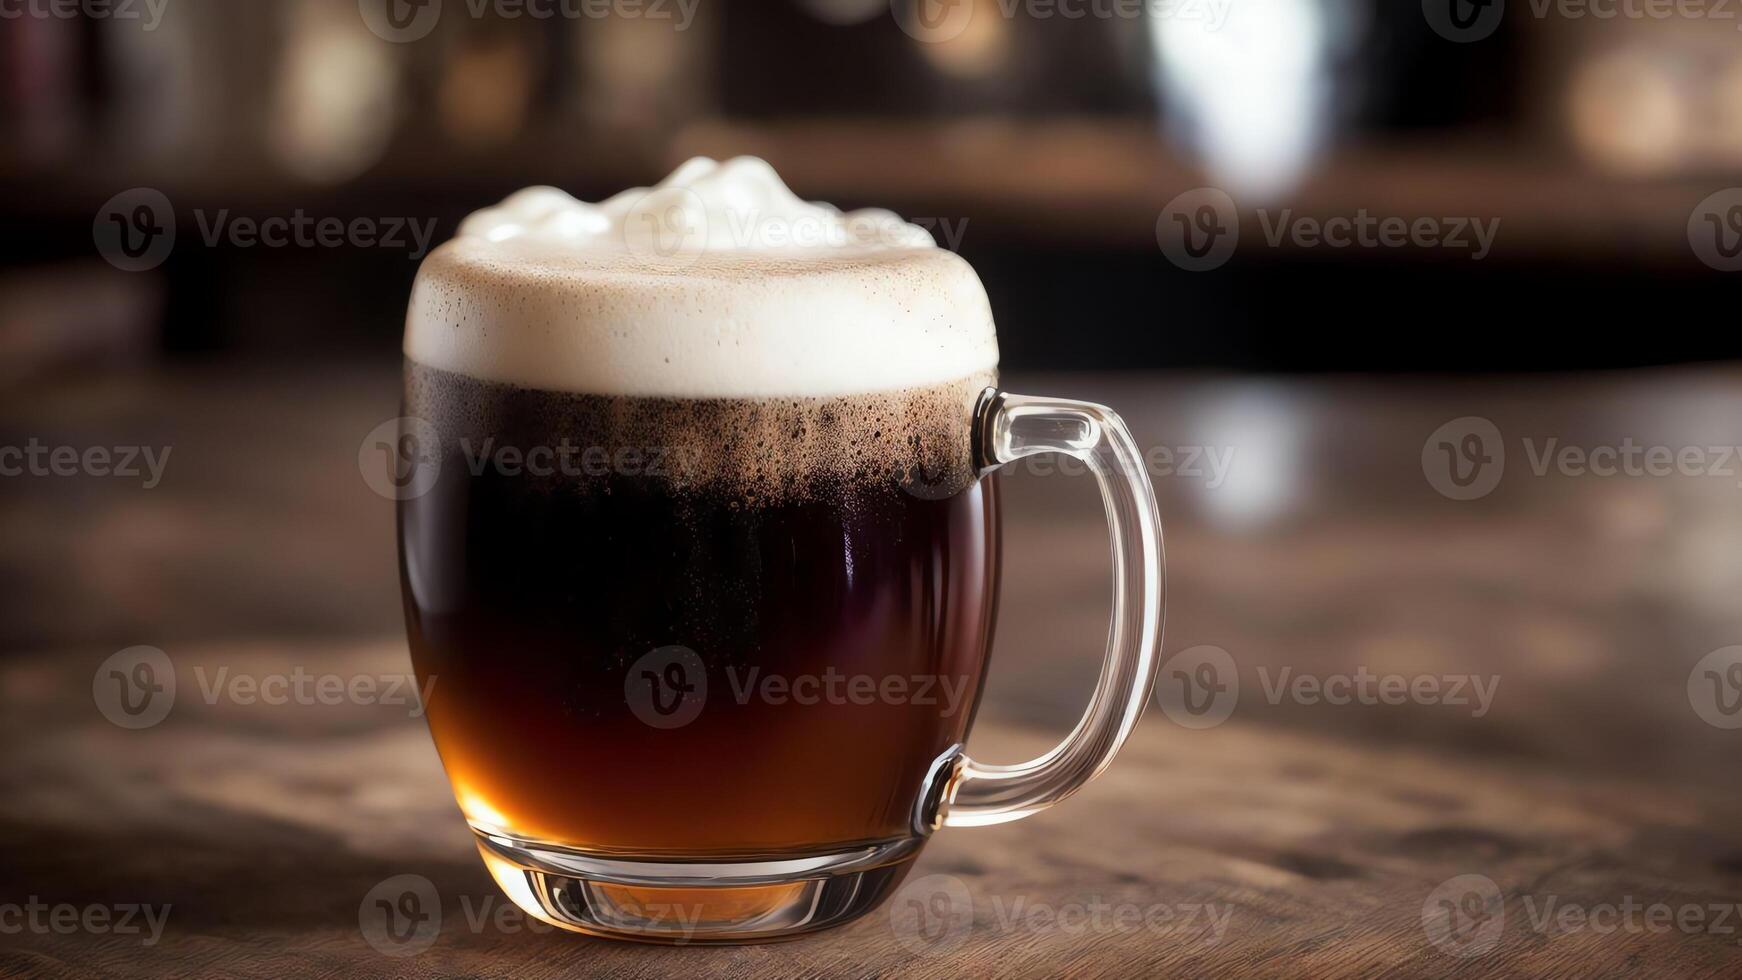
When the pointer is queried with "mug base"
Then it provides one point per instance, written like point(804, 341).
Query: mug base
point(697, 901)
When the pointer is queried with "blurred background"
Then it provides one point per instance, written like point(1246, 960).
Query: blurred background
point(1052, 141)
point(1052, 144)
point(1145, 189)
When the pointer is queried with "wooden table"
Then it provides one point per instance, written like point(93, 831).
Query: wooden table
point(1297, 837)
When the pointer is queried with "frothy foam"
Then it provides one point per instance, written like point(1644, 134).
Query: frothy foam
point(717, 282)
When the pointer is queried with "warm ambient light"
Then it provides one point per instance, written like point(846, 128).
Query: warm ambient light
point(337, 95)
point(1627, 114)
point(1251, 91)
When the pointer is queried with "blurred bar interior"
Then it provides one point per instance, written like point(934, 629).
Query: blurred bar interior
point(1058, 140)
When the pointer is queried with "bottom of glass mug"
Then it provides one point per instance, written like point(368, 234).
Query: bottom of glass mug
point(694, 901)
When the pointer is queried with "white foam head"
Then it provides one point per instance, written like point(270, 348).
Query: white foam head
point(717, 282)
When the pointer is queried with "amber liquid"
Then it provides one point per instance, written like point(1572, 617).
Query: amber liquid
point(530, 599)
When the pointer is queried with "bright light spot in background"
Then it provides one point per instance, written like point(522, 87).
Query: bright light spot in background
point(1655, 107)
point(1627, 113)
point(336, 98)
point(982, 47)
point(1253, 93)
point(1264, 475)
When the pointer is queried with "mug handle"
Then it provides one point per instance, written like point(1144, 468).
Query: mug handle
point(1008, 427)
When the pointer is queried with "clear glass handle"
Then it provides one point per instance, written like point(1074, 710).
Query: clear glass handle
point(1009, 427)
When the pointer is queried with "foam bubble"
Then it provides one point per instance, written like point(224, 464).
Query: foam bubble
point(716, 282)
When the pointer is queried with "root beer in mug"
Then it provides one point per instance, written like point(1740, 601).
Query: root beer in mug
point(707, 558)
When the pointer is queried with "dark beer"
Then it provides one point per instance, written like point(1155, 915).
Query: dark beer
point(825, 568)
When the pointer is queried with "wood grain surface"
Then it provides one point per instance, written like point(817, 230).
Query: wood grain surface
point(1584, 820)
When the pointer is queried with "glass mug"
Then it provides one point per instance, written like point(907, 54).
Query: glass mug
point(706, 665)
